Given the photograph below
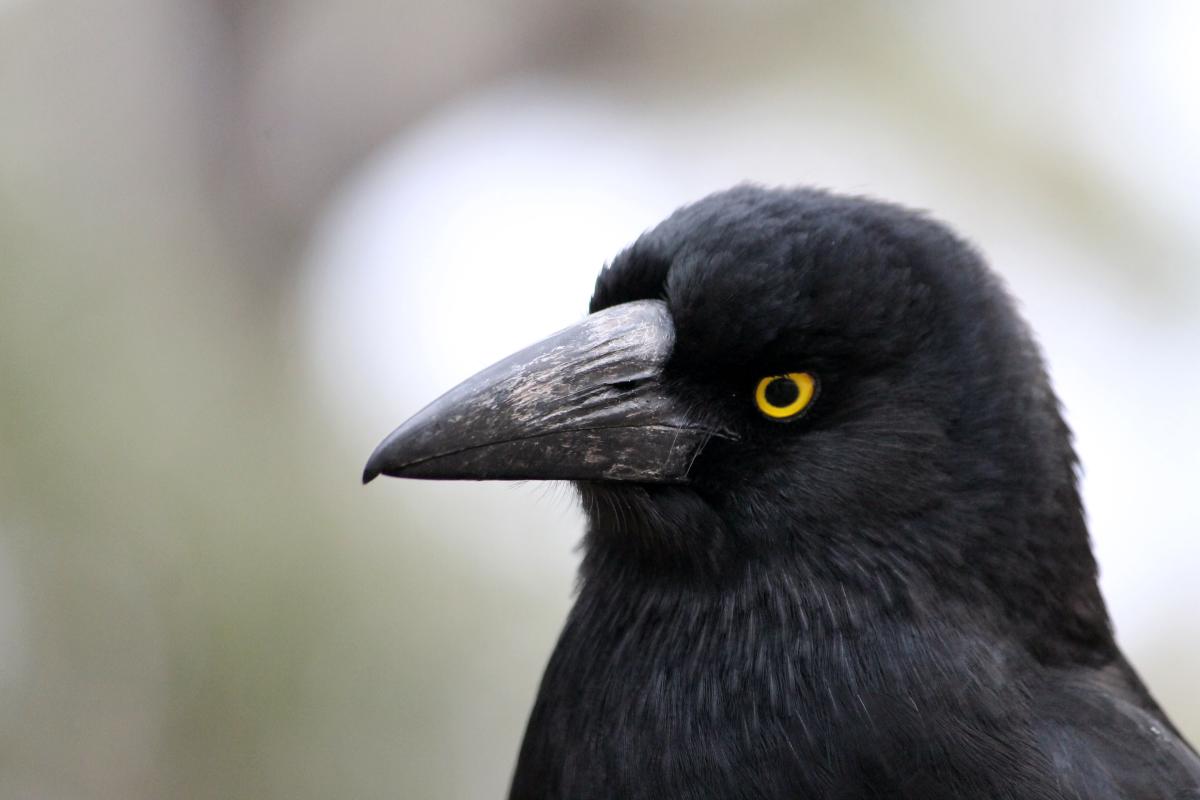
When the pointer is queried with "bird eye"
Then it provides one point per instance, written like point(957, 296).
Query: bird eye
point(784, 397)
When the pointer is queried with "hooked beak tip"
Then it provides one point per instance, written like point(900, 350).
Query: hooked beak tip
point(369, 474)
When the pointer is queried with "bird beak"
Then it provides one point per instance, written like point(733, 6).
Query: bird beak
point(588, 403)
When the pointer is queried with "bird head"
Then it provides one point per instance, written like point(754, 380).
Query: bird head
point(776, 370)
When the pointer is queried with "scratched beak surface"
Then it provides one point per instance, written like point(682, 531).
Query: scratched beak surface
point(585, 403)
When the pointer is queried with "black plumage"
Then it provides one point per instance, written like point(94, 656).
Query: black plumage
point(892, 596)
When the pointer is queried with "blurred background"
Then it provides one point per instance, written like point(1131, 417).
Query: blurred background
point(241, 241)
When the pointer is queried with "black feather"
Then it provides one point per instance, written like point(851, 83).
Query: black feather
point(893, 597)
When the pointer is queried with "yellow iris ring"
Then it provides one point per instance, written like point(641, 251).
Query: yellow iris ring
point(805, 384)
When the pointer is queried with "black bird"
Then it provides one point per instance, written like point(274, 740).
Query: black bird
point(835, 546)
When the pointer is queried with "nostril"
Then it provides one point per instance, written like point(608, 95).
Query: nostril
point(625, 386)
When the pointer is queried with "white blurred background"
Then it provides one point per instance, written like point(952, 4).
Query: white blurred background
point(239, 242)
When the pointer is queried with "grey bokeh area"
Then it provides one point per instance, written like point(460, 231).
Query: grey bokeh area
point(239, 242)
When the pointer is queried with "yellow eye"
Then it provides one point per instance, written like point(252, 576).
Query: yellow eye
point(784, 397)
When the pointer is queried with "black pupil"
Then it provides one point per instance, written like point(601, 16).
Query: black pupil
point(782, 392)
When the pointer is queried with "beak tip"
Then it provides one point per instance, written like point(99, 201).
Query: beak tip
point(390, 458)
